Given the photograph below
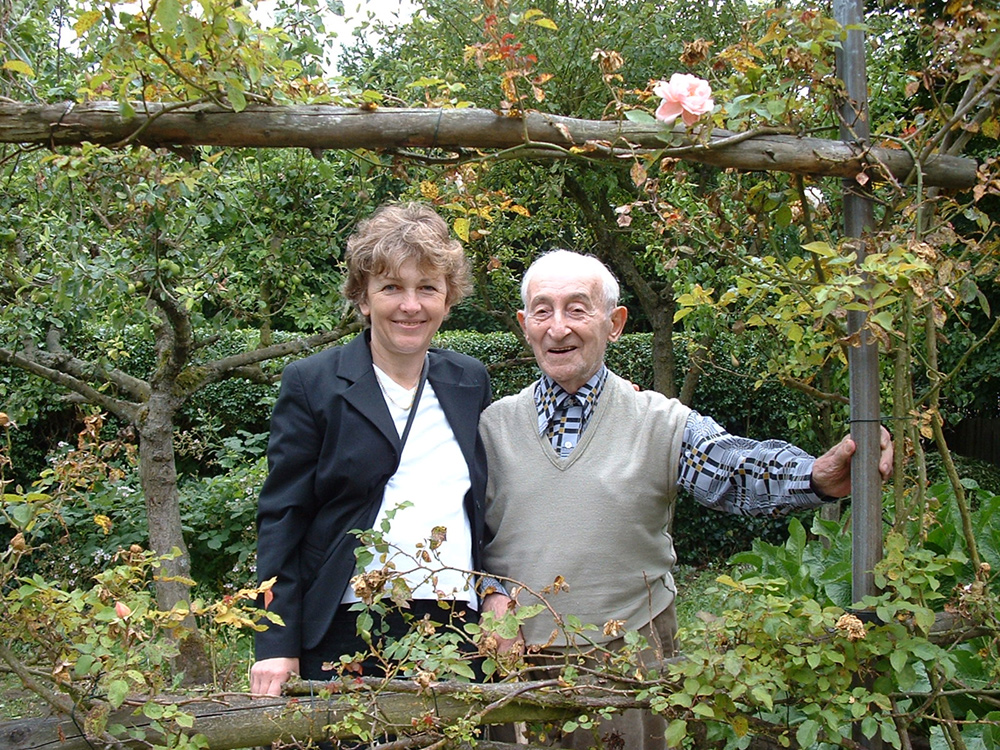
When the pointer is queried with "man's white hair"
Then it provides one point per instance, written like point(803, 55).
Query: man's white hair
point(585, 264)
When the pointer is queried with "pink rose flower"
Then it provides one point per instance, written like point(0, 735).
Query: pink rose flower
point(685, 95)
point(122, 610)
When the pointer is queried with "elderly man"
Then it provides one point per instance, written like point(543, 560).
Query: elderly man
point(584, 470)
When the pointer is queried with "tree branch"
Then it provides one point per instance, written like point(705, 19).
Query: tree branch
point(330, 127)
point(123, 409)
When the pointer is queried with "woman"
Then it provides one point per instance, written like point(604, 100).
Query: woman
point(384, 424)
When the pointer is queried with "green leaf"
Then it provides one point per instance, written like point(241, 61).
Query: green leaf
point(117, 693)
point(807, 733)
point(167, 13)
point(234, 91)
point(869, 726)
point(676, 732)
point(763, 697)
point(704, 710)
point(898, 659)
point(640, 116)
point(184, 720)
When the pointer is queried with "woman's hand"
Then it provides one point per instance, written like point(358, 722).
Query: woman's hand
point(268, 675)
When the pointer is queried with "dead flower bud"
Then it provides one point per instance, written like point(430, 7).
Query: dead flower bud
point(367, 586)
point(614, 628)
point(424, 679)
point(488, 645)
point(695, 52)
point(17, 543)
point(851, 627)
point(439, 535)
point(425, 627)
point(609, 61)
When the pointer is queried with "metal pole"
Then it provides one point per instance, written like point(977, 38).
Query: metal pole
point(866, 483)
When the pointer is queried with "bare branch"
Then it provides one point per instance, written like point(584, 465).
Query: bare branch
point(123, 409)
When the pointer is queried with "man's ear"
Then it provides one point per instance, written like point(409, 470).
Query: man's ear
point(521, 321)
point(618, 317)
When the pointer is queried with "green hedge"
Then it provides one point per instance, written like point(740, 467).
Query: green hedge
point(221, 434)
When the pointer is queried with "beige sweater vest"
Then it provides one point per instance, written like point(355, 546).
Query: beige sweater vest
point(599, 518)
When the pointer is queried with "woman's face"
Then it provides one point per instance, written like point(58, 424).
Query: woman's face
point(406, 309)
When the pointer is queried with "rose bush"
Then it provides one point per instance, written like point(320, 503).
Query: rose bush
point(685, 95)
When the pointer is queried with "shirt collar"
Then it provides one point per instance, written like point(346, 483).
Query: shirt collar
point(549, 396)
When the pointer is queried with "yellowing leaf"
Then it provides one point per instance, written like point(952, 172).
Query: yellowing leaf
point(461, 227)
point(86, 21)
point(428, 190)
point(546, 23)
point(820, 248)
point(740, 725)
point(19, 66)
point(103, 522)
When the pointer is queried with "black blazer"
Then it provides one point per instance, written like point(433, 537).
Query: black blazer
point(332, 449)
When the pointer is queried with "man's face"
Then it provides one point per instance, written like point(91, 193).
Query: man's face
point(568, 325)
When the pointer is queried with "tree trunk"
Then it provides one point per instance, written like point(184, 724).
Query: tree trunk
point(158, 475)
point(664, 357)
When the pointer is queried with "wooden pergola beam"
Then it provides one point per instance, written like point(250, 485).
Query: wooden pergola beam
point(530, 135)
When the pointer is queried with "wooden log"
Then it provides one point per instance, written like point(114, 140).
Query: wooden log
point(238, 720)
point(534, 134)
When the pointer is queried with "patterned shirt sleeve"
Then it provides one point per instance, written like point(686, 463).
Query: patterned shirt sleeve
point(743, 476)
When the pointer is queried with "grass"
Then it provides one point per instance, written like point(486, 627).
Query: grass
point(693, 596)
point(18, 703)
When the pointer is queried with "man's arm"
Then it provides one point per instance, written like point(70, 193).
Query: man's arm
point(761, 478)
